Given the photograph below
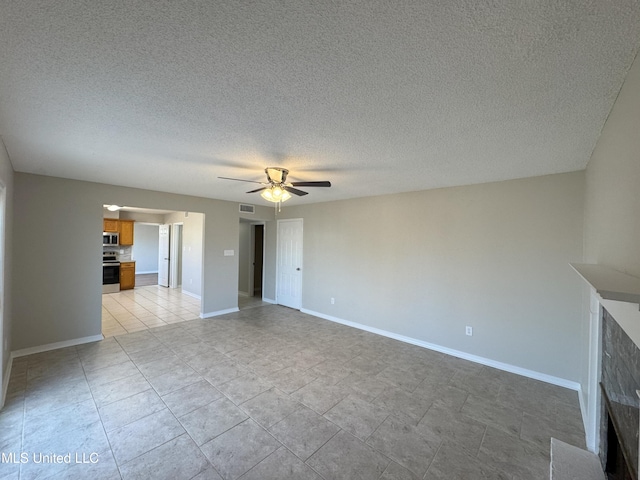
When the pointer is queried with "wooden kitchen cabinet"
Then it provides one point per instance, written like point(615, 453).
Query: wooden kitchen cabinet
point(125, 228)
point(127, 275)
point(109, 225)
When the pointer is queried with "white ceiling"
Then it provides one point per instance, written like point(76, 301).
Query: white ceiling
point(375, 96)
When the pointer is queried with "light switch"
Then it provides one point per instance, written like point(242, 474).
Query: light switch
point(229, 253)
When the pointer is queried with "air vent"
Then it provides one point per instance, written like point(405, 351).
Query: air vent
point(247, 208)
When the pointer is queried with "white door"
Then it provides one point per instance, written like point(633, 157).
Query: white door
point(176, 256)
point(289, 279)
point(163, 256)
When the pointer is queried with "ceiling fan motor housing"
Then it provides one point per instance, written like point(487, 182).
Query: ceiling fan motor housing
point(276, 175)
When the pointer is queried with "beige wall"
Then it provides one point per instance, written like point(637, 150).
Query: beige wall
point(612, 225)
point(57, 297)
point(426, 264)
point(612, 201)
point(6, 178)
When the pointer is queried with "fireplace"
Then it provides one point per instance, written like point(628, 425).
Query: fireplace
point(619, 424)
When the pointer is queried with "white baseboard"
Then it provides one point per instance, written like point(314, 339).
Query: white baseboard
point(55, 346)
point(219, 312)
point(561, 382)
point(268, 300)
point(5, 381)
point(191, 294)
point(147, 273)
point(243, 294)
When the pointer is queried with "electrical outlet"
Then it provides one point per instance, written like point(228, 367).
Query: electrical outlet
point(468, 330)
point(333, 301)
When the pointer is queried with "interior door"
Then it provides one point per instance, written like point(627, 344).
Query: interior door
point(289, 283)
point(175, 262)
point(163, 255)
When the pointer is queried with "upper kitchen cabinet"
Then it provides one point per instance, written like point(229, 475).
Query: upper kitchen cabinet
point(109, 225)
point(125, 228)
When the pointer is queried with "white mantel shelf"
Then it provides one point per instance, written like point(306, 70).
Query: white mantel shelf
point(610, 284)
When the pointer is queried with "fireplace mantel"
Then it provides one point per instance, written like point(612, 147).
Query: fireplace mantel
point(609, 283)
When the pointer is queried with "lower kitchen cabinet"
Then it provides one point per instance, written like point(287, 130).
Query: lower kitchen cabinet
point(127, 275)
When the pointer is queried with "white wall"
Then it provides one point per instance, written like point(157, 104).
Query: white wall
point(145, 247)
point(6, 177)
point(426, 264)
point(244, 258)
point(192, 249)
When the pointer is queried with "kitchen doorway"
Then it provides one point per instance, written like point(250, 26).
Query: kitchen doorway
point(148, 305)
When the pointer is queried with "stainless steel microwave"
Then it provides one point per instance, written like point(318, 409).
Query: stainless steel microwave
point(110, 239)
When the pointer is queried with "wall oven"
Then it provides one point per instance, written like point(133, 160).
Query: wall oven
point(110, 239)
point(110, 272)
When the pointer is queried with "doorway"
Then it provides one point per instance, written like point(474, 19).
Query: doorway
point(257, 266)
point(250, 264)
point(148, 305)
point(145, 252)
point(289, 263)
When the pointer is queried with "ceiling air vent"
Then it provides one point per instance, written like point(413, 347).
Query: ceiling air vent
point(247, 208)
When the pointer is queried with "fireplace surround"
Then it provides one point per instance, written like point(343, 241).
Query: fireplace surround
point(619, 419)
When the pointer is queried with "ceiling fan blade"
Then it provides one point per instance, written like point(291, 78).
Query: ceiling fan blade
point(295, 191)
point(311, 184)
point(257, 190)
point(240, 180)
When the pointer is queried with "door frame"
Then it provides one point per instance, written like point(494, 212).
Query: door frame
point(301, 220)
point(175, 254)
point(593, 396)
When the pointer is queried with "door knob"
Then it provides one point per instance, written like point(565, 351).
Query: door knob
point(298, 269)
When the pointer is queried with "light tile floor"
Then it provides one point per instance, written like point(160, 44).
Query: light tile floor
point(271, 393)
point(142, 308)
point(152, 306)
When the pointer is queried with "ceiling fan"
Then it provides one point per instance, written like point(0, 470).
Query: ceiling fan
point(276, 189)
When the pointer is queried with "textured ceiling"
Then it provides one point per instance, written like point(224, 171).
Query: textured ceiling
point(375, 96)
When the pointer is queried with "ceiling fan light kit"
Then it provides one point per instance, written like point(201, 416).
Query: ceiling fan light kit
point(275, 194)
point(276, 189)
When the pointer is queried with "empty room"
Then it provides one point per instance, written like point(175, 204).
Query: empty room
point(340, 240)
